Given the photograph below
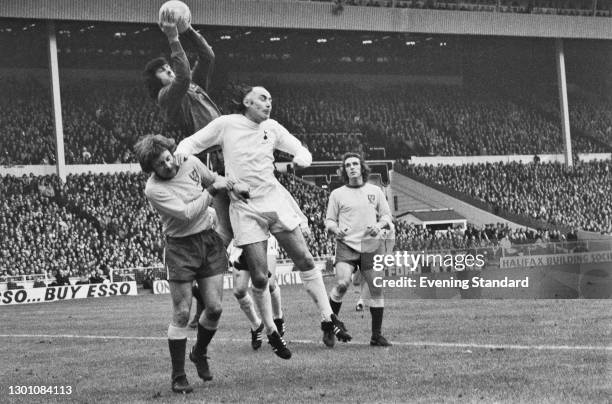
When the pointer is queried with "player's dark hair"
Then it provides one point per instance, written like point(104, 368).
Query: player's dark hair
point(152, 82)
point(149, 147)
point(365, 169)
point(237, 101)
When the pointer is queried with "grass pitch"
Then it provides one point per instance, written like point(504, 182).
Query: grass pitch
point(114, 350)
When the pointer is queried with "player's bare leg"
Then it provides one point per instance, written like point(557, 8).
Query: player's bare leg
point(364, 293)
point(344, 271)
point(211, 291)
point(256, 259)
point(198, 304)
point(177, 334)
point(294, 244)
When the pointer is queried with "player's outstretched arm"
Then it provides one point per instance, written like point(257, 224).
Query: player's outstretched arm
point(171, 96)
point(208, 136)
point(288, 143)
point(202, 71)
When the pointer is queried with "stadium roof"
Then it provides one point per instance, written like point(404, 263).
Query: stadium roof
point(318, 15)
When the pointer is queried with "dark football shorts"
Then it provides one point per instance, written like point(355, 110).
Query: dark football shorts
point(241, 265)
point(359, 260)
point(193, 257)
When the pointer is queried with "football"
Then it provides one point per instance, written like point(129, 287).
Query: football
point(177, 12)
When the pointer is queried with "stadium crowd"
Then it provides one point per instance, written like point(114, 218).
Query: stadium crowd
point(421, 120)
point(579, 197)
point(98, 222)
point(589, 112)
point(411, 237)
point(594, 117)
point(405, 120)
point(599, 8)
point(41, 235)
point(117, 204)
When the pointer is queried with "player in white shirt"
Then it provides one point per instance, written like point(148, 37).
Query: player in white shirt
point(238, 261)
point(248, 140)
point(356, 215)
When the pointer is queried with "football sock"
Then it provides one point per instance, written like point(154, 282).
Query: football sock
point(377, 318)
point(313, 282)
point(207, 328)
point(177, 341)
point(335, 299)
point(263, 302)
point(275, 296)
point(248, 308)
point(205, 335)
point(335, 305)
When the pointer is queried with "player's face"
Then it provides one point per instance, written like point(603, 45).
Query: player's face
point(259, 104)
point(164, 166)
point(165, 74)
point(352, 165)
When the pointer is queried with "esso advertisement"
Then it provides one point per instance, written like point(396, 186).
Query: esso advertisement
point(70, 292)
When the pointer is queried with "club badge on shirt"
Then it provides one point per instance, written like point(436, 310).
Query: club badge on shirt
point(195, 176)
point(372, 199)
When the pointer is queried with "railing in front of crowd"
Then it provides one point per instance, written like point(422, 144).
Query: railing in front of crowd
point(141, 274)
point(24, 281)
point(138, 274)
point(554, 248)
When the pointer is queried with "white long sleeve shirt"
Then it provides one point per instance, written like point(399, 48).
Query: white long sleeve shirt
point(248, 149)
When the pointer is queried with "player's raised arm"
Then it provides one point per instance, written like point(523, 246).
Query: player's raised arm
point(171, 94)
point(202, 71)
point(208, 136)
point(290, 144)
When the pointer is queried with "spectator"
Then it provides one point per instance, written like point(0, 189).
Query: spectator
point(579, 196)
